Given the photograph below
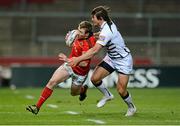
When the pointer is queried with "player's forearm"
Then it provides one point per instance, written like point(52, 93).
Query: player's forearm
point(89, 54)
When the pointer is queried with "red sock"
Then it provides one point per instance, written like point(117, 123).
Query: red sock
point(44, 96)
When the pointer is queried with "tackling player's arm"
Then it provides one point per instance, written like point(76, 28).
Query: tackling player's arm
point(88, 55)
point(83, 63)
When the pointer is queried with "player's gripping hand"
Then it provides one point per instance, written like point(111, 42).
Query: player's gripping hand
point(70, 37)
point(63, 57)
point(73, 61)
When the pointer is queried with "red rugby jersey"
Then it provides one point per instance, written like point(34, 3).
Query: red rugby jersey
point(78, 48)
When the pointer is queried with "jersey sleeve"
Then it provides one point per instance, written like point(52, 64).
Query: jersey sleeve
point(104, 37)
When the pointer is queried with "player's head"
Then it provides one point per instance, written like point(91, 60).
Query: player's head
point(100, 14)
point(85, 29)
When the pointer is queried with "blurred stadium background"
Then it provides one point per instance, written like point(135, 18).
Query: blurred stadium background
point(32, 34)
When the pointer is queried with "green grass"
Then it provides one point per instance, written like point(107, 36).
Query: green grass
point(155, 106)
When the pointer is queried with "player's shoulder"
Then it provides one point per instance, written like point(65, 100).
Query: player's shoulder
point(106, 30)
point(76, 43)
point(93, 39)
point(79, 43)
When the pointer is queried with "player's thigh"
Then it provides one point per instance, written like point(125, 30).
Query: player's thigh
point(60, 75)
point(98, 74)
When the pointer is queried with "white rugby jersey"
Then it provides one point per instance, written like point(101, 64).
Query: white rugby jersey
point(111, 38)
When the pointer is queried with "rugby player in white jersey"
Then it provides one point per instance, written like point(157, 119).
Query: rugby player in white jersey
point(118, 58)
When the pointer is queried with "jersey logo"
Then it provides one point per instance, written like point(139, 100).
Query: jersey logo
point(101, 38)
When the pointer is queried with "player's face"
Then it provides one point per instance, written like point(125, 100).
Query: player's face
point(82, 33)
point(95, 20)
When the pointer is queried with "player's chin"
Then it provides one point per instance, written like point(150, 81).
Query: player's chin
point(82, 37)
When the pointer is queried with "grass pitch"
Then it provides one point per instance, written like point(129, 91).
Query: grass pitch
point(160, 106)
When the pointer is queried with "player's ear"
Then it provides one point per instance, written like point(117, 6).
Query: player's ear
point(101, 18)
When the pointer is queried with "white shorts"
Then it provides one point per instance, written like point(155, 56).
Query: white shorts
point(124, 65)
point(76, 79)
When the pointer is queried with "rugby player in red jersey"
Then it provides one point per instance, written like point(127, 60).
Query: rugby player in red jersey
point(83, 41)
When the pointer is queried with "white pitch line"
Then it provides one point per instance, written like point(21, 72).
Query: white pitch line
point(29, 97)
point(52, 106)
point(96, 121)
point(13, 87)
point(72, 112)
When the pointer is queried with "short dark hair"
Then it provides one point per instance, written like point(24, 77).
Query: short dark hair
point(101, 12)
point(87, 25)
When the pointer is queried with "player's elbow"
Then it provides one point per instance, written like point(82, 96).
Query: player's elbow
point(94, 52)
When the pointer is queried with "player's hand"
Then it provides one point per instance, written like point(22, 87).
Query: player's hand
point(83, 63)
point(62, 57)
point(73, 61)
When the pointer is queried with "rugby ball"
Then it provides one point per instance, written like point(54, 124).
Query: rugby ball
point(70, 37)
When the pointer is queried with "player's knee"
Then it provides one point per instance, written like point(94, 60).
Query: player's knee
point(121, 90)
point(122, 93)
point(52, 83)
point(94, 80)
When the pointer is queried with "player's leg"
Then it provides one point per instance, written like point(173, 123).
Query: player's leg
point(75, 89)
point(80, 90)
point(122, 90)
point(78, 87)
point(99, 73)
point(59, 75)
point(124, 68)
